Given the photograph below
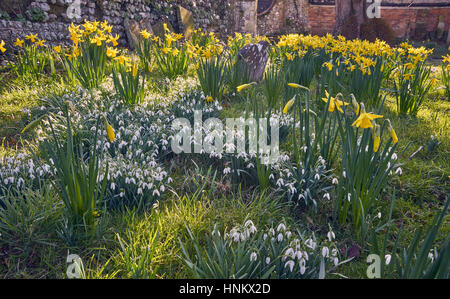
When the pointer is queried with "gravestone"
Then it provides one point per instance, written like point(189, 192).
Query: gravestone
point(158, 28)
point(255, 57)
point(133, 30)
point(186, 18)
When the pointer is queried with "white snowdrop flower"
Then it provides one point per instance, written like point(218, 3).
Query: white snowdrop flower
point(310, 244)
point(398, 171)
point(431, 256)
point(325, 251)
point(227, 170)
point(301, 196)
point(265, 237)
point(344, 174)
point(288, 234)
point(250, 165)
point(253, 257)
point(317, 176)
point(379, 215)
point(281, 226)
point(280, 237)
point(156, 192)
point(335, 261)
point(113, 186)
point(349, 196)
point(280, 182)
point(335, 181)
point(267, 260)
point(290, 264)
point(298, 254)
point(387, 258)
point(272, 231)
point(327, 196)
point(289, 252)
point(139, 191)
point(302, 264)
point(331, 236)
point(394, 156)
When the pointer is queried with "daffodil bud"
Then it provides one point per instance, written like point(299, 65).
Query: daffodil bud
point(392, 132)
point(289, 105)
point(109, 130)
point(244, 86)
point(355, 104)
point(376, 138)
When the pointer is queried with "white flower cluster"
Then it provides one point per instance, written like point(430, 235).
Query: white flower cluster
point(21, 170)
point(294, 255)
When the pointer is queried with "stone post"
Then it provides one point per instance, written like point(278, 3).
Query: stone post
point(246, 16)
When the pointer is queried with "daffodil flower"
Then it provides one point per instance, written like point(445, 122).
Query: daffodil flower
point(364, 120)
point(334, 103)
point(2, 46)
point(19, 43)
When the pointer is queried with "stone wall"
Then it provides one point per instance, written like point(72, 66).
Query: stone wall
point(209, 15)
point(284, 16)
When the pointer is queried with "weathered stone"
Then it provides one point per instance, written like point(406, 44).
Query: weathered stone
point(158, 28)
point(255, 57)
point(187, 20)
point(133, 30)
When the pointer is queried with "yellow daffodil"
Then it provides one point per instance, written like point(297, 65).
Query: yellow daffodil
point(135, 70)
point(355, 104)
point(145, 34)
point(122, 59)
point(289, 105)
point(113, 40)
point(294, 85)
point(392, 132)
point(364, 120)
point(209, 99)
point(32, 37)
point(40, 43)
point(97, 40)
point(2, 46)
point(244, 86)
point(376, 143)
point(109, 130)
point(334, 103)
point(111, 52)
point(19, 42)
point(57, 49)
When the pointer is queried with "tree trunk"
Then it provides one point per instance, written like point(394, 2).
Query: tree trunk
point(348, 8)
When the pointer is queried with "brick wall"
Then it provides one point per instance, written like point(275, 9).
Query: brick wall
point(415, 22)
point(321, 19)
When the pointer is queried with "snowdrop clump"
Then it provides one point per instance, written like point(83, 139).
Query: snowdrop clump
point(21, 170)
point(291, 256)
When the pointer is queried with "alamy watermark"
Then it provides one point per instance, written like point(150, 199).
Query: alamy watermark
point(374, 9)
point(239, 135)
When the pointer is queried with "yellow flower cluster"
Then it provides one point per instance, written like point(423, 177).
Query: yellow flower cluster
point(354, 54)
point(95, 33)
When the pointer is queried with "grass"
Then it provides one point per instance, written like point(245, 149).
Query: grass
point(140, 243)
